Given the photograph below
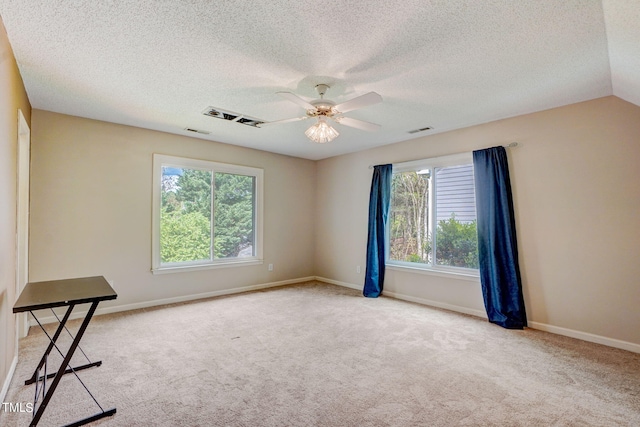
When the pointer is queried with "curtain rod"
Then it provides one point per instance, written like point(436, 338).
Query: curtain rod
point(511, 145)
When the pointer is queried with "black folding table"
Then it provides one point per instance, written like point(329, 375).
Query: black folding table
point(63, 293)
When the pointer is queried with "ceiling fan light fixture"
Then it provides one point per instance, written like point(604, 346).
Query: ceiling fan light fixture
point(321, 109)
point(321, 132)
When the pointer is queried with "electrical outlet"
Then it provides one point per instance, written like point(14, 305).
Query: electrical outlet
point(270, 267)
point(358, 269)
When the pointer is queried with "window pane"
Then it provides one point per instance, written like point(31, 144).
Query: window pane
point(456, 239)
point(409, 217)
point(185, 218)
point(234, 215)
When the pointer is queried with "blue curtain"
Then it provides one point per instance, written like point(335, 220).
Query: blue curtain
point(378, 217)
point(497, 245)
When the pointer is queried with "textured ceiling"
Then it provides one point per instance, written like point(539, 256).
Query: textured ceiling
point(444, 64)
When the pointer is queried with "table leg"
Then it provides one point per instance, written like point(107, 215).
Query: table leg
point(61, 371)
point(52, 343)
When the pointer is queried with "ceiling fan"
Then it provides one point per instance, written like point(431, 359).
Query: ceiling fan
point(323, 109)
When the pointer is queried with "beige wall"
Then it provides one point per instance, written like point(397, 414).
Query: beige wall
point(12, 98)
point(91, 209)
point(574, 177)
point(576, 183)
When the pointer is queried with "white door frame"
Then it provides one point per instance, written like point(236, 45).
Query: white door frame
point(22, 219)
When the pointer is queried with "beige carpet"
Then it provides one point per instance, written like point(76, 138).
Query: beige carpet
point(321, 355)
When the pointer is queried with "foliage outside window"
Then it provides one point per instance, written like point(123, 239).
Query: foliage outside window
point(432, 220)
point(205, 214)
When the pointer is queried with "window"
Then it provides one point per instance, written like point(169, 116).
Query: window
point(432, 223)
point(205, 214)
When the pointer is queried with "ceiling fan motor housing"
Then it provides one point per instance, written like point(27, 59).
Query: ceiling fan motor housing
point(323, 107)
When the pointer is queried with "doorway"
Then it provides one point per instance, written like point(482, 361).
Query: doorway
point(22, 219)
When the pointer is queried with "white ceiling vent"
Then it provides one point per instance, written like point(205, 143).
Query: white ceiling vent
point(232, 117)
point(204, 132)
point(420, 130)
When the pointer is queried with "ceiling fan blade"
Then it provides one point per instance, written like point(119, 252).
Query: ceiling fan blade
point(358, 102)
point(278, 122)
point(297, 100)
point(358, 124)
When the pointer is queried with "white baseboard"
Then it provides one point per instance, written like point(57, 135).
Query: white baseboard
point(336, 282)
point(7, 380)
point(451, 307)
point(183, 298)
point(422, 301)
point(584, 336)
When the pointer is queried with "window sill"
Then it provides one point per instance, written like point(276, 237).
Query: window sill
point(197, 267)
point(429, 271)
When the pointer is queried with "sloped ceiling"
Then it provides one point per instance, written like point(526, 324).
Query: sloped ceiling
point(622, 18)
point(446, 64)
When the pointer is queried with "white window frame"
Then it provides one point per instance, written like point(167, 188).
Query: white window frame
point(161, 160)
point(433, 269)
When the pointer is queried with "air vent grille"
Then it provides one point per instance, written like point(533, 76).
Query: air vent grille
point(232, 117)
point(421, 129)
